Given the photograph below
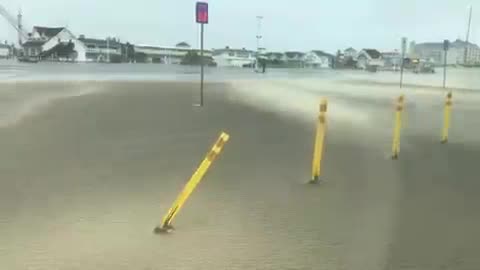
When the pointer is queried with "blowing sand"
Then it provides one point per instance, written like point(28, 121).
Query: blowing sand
point(85, 180)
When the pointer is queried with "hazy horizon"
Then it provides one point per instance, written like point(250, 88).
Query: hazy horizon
point(299, 25)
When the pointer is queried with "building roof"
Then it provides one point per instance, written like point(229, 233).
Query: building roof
point(322, 53)
point(429, 45)
point(183, 45)
point(350, 49)
point(48, 31)
point(221, 51)
point(374, 54)
point(390, 54)
point(294, 54)
point(462, 44)
point(4, 45)
point(439, 45)
point(33, 43)
point(276, 54)
point(98, 42)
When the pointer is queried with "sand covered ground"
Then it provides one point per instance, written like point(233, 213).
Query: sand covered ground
point(89, 168)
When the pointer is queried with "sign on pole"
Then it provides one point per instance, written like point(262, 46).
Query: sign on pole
point(201, 14)
point(446, 45)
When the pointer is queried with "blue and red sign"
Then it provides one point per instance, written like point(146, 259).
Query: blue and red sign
point(202, 12)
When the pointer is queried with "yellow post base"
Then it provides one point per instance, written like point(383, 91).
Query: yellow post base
point(444, 141)
point(395, 156)
point(163, 230)
point(315, 180)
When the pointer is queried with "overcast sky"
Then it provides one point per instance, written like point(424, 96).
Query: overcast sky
point(287, 25)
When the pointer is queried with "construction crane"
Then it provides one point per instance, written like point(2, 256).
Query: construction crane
point(16, 23)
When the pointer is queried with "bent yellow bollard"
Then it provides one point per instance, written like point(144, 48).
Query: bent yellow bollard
point(398, 126)
point(319, 142)
point(446, 117)
point(166, 225)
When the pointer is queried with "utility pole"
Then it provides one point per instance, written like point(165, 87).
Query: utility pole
point(468, 37)
point(259, 37)
point(108, 50)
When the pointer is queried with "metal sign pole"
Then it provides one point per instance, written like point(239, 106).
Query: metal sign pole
point(401, 72)
point(202, 76)
point(202, 19)
point(445, 69)
point(446, 46)
point(404, 48)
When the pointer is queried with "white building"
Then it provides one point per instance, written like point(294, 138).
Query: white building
point(435, 53)
point(392, 60)
point(318, 59)
point(468, 52)
point(101, 50)
point(4, 51)
point(165, 54)
point(57, 42)
point(369, 58)
point(456, 54)
point(234, 57)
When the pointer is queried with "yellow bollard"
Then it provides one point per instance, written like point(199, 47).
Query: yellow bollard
point(398, 126)
point(166, 226)
point(446, 117)
point(319, 142)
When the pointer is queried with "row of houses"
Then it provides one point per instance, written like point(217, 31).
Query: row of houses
point(245, 58)
point(349, 58)
point(60, 44)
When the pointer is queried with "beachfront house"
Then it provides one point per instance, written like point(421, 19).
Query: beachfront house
point(318, 59)
point(275, 59)
point(350, 53)
point(59, 43)
point(55, 43)
point(370, 59)
point(229, 57)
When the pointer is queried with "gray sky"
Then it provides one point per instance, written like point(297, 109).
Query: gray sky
point(288, 25)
